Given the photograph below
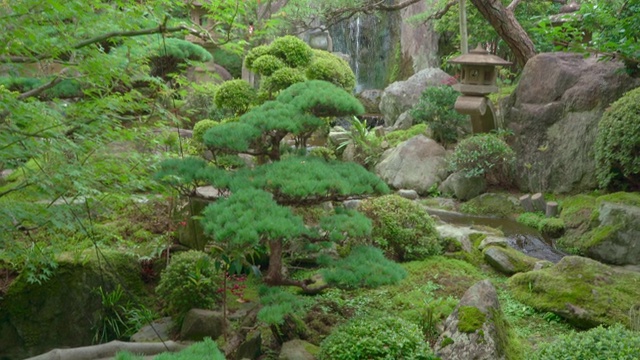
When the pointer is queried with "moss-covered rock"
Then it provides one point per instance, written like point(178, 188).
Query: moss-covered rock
point(63, 311)
point(491, 204)
point(604, 228)
point(477, 329)
point(508, 260)
point(583, 291)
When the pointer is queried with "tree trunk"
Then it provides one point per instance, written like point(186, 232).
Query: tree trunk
point(503, 20)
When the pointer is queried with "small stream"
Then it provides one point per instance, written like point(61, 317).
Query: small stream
point(520, 237)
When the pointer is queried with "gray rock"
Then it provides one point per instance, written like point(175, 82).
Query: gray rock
point(620, 243)
point(370, 99)
point(492, 241)
point(298, 350)
point(462, 187)
point(351, 204)
point(417, 164)
point(338, 135)
point(507, 260)
point(542, 264)
point(156, 331)
point(403, 95)
point(251, 348)
point(200, 323)
point(408, 194)
point(405, 121)
point(554, 114)
point(484, 343)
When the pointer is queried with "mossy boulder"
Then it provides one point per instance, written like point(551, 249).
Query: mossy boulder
point(583, 291)
point(63, 311)
point(508, 260)
point(604, 228)
point(492, 204)
point(476, 329)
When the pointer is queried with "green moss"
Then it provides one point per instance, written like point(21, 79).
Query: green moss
point(492, 205)
point(626, 198)
point(396, 137)
point(576, 210)
point(604, 294)
point(552, 227)
point(520, 261)
point(470, 319)
point(476, 239)
point(446, 341)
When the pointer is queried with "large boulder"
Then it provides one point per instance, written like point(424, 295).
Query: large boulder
point(476, 329)
point(508, 260)
point(63, 311)
point(585, 292)
point(200, 323)
point(417, 164)
point(617, 239)
point(403, 95)
point(370, 99)
point(462, 187)
point(554, 114)
point(298, 350)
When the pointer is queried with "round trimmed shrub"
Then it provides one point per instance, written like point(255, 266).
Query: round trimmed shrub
point(201, 127)
point(267, 64)
point(254, 54)
point(328, 67)
point(617, 146)
point(235, 96)
point(190, 281)
point(281, 79)
point(375, 338)
point(401, 227)
point(599, 343)
point(292, 50)
point(485, 155)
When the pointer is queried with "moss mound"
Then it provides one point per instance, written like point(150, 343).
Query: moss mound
point(491, 204)
point(583, 291)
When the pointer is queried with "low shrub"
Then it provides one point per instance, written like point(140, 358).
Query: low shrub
point(292, 50)
point(436, 109)
point(617, 148)
point(384, 337)
point(206, 349)
point(190, 281)
point(200, 128)
point(235, 96)
point(485, 155)
point(401, 227)
point(267, 64)
point(281, 79)
point(553, 227)
point(599, 343)
point(328, 67)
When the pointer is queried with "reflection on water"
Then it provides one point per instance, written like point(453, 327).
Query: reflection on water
point(521, 237)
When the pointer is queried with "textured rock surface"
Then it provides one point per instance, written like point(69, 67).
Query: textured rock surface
point(200, 323)
point(585, 292)
point(620, 240)
point(298, 350)
point(403, 95)
point(487, 341)
point(508, 260)
point(554, 114)
point(62, 311)
point(416, 164)
point(462, 187)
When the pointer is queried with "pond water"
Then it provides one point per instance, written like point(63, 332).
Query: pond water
point(520, 237)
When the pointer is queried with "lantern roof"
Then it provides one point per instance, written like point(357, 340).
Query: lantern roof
point(479, 56)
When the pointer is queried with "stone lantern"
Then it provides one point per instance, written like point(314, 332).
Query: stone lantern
point(477, 80)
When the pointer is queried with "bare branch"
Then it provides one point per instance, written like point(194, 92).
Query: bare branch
point(512, 7)
point(37, 91)
point(103, 37)
point(396, 7)
point(442, 12)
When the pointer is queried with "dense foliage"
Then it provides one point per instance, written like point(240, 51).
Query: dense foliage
point(190, 281)
point(383, 337)
point(206, 349)
point(401, 227)
point(435, 108)
point(484, 155)
point(599, 343)
point(289, 60)
point(617, 147)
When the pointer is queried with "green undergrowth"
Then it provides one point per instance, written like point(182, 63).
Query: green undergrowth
point(206, 349)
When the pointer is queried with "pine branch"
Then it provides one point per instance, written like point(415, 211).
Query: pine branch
point(114, 34)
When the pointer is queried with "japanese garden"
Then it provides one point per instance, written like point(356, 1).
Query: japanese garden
point(302, 179)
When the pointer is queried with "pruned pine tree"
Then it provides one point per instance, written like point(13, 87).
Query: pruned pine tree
point(258, 210)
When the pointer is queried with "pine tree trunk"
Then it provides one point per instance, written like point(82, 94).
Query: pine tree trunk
point(503, 20)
